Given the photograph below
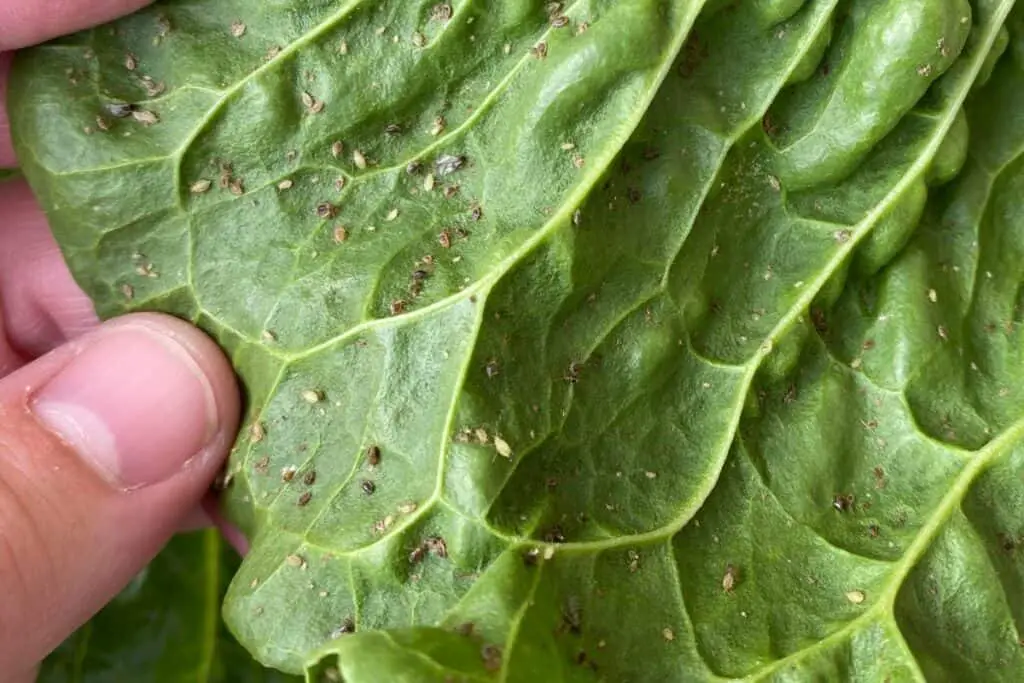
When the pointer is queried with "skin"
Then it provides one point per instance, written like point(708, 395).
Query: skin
point(71, 533)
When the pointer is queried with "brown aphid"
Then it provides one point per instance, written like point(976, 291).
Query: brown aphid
point(359, 159)
point(392, 129)
point(287, 473)
point(540, 50)
point(337, 149)
point(295, 561)
point(843, 502)
point(531, 556)
point(730, 578)
point(450, 191)
point(417, 554)
point(309, 478)
point(326, 210)
point(373, 456)
point(559, 21)
point(554, 535)
point(491, 655)
point(414, 167)
point(492, 369)
point(368, 487)
point(397, 307)
point(262, 466)
point(131, 62)
point(633, 561)
point(572, 375)
point(466, 629)
point(476, 213)
point(237, 29)
point(445, 239)
point(236, 187)
point(340, 234)
point(418, 39)
point(304, 499)
point(873, 530)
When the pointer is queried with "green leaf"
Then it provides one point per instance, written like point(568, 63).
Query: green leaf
point(710, 368)
point(165, 626)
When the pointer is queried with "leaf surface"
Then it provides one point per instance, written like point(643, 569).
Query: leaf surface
point(703, 372)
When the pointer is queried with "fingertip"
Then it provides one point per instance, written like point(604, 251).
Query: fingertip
point(29, 23)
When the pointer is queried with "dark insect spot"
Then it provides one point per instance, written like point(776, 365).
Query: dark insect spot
point(530, 557)
point(416, 556)
point(476, 213)
point(634, 195)
point(368, 487)
point(397, 307)
point(572, 375)
point(347, 626)
point(572, 616)
point(373, 456)
point(393, 129)
point(819, 321)
point(445, 239)
point(790, 394)
point(326, 210)
point(441, 12)
point(873, 531)
point(465, 629)
point(554, 535)
point(304, 499)
point(310, 478)
point(413, 167)
point(559, 21)
point(842, 502)
point(437, 545)
point(1007, 542)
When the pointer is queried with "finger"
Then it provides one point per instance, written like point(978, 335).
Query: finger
point(106, 445)
point(42, 305)
point(27, 23)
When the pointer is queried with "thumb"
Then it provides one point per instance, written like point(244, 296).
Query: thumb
point(106, 444)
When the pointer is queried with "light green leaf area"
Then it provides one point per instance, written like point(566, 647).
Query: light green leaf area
point(687, 337)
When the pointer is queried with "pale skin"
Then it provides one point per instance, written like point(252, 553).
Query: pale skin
point(111, 434)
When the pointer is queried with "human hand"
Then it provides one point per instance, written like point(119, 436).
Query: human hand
point(109, 434)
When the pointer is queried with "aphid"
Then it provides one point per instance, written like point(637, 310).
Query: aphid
point(397, 307)
point(504, 450)
point(466, 629)
point(943, 333)
point(437, 545)
point(449, 163)
point(413, 167)
point(237, 29)
point(407, 508)
point(392, 129)
point(441, 12)
point(256, 432)
point(419, 275)
point(668, 634)
point(236, 187)
point(343, 47)
point(633, 558)
point(438, 126)
point(326, 210)
point(554, 535)
point(128, 292)
point(359, 159)
point(295, 561)
point(312, 396)
point(392, 215)
point(572, 375)
point(131, 62)
point(285, 185)
point(856, 597)
point(373, 456)
point(445, 239)
point(337, 149)
point(223, 481)
point(119, 110)
point(450, 191)
point(476, 213)
point(576, 217)
point(339, 183)
point(633, 195)
point(492, 369)
point(418, 39)
point(873, 531)
point(200, 186)
point(347, 626)
point(262, 466)
point(540, 50)
point(340, 234)
point(417, 554)
point(309, 478)
point(145, 117)
point(578, 161)
point(774, 182)
point(729, 578)
point(530, 557)
point(428, 182)
point(491, 655)
point(559, 21)
point(572, 616)
point(287, 473)
point(273, 53)
point(304, 499)
point(368, 487)
point(843, 502)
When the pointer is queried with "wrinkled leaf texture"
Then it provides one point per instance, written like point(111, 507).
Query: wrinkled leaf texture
point(690, 342)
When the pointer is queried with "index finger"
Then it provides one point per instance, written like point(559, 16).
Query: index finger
point(27, 23)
